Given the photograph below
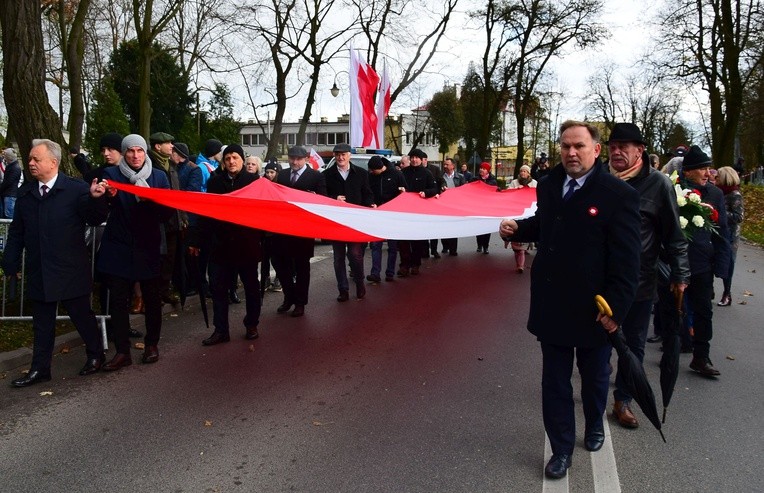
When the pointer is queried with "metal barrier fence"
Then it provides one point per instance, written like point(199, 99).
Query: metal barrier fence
point(13, 289)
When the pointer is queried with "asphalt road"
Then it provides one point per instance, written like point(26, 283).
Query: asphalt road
point(431, 384)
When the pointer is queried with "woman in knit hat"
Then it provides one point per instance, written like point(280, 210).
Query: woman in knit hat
point(523, 180)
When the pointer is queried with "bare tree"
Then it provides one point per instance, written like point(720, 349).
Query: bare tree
point(604, 98)
point(712, 42)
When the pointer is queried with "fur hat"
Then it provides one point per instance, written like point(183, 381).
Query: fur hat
point(133, 140)
point(112, 140)
point(695, 159)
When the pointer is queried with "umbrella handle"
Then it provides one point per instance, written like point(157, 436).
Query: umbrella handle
point(679, 299)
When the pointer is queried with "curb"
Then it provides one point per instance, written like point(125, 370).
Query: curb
point(10, 360)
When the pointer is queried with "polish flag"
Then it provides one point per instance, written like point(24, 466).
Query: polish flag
point(363, 117)
point(383, 107)
point(315, 159)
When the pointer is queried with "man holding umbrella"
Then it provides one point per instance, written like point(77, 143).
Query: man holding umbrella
point(587, 227)
point(659, 229)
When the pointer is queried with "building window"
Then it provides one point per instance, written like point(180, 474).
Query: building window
point(331, 138)
point(408, 137)
point(322, 139)
point(310, 139)
point(291, 139)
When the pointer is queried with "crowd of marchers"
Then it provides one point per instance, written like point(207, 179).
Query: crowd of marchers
point(148, 255)
point(611, 228)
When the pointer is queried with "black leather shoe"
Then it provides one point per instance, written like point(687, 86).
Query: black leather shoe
point(435, 255)
point(284, 307)
point(92, 366)
point(558, 465)
point(373, 278)
point(234, 298)
point(360, 291)
point(299, 311)
point(251, 333)
point(654, 339)
point(135, 334)
point(594, 438)
point(118, 361)
point(31, 378)
point(725, 301)
point(216, 338)
point(344, 296)
point(704, 367)
point(150, 355)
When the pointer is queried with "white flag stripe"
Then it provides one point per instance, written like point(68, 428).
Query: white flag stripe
point(409, 226)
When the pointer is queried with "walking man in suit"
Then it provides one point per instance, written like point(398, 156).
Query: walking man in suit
point(292, 254)
point(587, 226)
point(50, 220)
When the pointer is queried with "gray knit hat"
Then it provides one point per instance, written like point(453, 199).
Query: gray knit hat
point(133, 140)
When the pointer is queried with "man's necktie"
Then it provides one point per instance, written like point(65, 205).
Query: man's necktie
point(294, 177)
point(44, 190)
point(571, 189)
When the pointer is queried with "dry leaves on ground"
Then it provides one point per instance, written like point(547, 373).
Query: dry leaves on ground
point(46, 392)
point(140, 345)
point(207, 422)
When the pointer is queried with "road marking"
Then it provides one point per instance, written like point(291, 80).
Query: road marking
point(552, 485)
point(603, 466)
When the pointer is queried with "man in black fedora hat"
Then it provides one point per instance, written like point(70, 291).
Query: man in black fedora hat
point(659, 230)
point(709, 255)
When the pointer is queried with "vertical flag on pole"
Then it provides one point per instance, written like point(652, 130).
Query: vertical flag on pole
point(383, 107)
point(363, 117)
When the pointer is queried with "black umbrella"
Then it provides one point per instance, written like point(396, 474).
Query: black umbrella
point(183, 272)
point(196, 274)
point(671, 316)
point(632, 372)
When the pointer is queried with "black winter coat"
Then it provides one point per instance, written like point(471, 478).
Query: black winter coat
point(386, 185)
point(419, 179)
point(52, 230)
point(310, 181)
point(229, 243)
point(355, 188)
point(587, 246)
point(10, 185)
point(709, 251)
point(131, 240)
point(659, 228)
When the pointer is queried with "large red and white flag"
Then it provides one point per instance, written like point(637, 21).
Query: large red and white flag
point(383, 107)
point(363, 117)
point(470, 210)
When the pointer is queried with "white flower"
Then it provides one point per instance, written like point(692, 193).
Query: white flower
point(674, 177)
point(679, 191)
point(683, 222)
point(694, 198)
point(681, 201)
point(698, 221)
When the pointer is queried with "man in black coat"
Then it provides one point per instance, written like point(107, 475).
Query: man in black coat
point(587, 227)
point(660, 230)
point(9, 186)
point(234, 250)
point(52, 212)
point(420, 180)
point(292, 254)
point(349, 183)
point(386, 182)
point(709, 254)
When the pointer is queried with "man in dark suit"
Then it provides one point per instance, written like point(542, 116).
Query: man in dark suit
point(349, 183)
point(587, 226)
point(51, 215)
point(292, 254)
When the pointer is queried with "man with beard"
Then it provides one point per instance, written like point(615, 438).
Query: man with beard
point(587, 226)
point(660, 230)
point(418, 180)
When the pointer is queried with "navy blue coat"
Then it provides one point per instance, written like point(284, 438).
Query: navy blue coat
point(587, 246)
point(52, 230)
point(131, 240)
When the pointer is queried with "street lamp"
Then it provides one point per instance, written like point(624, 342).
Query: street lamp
point(336, 90)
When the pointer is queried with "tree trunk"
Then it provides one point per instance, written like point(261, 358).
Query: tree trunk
point(74, 54)
point(29, 112)
point(144, 91)
point(310, 100)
